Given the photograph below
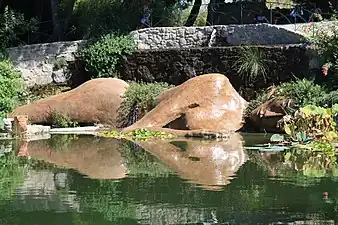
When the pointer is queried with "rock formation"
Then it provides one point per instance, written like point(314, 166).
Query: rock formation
point(207, 102)
point(95, 101)
point(267, 115)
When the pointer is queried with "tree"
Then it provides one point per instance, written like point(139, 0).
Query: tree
point(61, 9)
point(194, 13)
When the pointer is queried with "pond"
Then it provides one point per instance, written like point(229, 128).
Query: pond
point(86, 180)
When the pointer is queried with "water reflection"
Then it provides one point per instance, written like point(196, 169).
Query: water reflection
point(150, 188)
point(208, 163)
point(96, 158)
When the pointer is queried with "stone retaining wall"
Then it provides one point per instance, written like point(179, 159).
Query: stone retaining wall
point(178, 65)
point(220, 35)
point(43, 64)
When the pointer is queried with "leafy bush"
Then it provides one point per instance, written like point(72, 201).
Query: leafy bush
point(326, 40)
point(12, 26)
point(178, 17)
point(60, 120)
point(312, 121)
point(11, 87)
point(328, 100)
point(103, 57)
point(138, 100)
point(301, 92)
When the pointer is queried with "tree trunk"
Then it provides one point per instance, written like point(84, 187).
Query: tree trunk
point(59, 28)
point(194, 13)
point(69, 8)
point(56, 20)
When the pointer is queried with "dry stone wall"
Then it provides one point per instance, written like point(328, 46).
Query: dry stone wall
point(43, 64)
point(211, 36)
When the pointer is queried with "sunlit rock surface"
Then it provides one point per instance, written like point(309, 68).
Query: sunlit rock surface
point(95, 101)
point(206, 102)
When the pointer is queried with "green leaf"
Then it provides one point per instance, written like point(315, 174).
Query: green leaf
point(277, 138)
point(287, 129)
point(287, 156)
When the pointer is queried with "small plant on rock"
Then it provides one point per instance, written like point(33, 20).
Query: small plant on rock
point(138, 100)
point(60, 120)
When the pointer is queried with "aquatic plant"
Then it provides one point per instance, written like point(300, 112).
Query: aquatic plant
point(312, 121)
point(139, 135)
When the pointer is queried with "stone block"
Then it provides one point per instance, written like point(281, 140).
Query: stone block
point(19, 125)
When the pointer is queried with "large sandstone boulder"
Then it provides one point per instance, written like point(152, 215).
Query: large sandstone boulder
point(207, 102)
point(95, 101)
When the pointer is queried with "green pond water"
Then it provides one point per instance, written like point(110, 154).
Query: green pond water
point(86, 180)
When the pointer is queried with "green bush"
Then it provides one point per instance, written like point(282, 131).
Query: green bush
point(326, 40)
point(138, 100)
point(178, 17)
point(12, 26)
point(328, 100)
point(301, 92)
point(11, 87)
point(103, 57)
point(60, 120)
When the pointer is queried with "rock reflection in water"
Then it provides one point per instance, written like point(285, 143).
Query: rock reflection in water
point(210, 164)
point(96, 158)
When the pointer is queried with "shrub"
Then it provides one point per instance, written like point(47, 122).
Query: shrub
point(60, 120)
point(12, 26)
point(99, 17)
point(138, 100)
point(251, 63)
point(326, 40)
point(103, 57)
point(11, 87)
point(301, 92)
point(312, 121)
point(328, 100)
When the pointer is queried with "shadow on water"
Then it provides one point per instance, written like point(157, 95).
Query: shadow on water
point(86, 180)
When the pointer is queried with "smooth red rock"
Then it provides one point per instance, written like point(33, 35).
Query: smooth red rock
point(267, 115)
point(207, 102)
point(95, 101)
